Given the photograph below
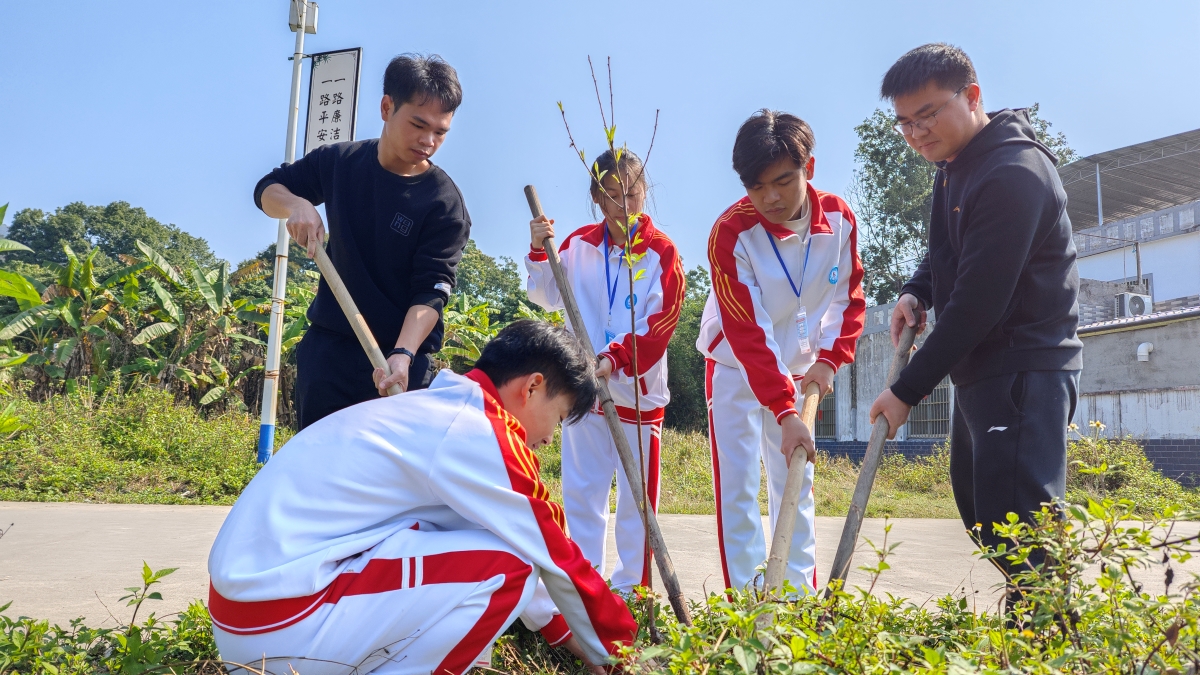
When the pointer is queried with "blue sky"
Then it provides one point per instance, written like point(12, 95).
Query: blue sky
point(181, 107)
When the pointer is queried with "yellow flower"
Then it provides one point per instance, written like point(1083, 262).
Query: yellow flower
point(1027, 633)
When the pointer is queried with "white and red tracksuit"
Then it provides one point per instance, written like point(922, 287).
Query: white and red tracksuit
point(589, 455)
point(403, 535)
point(750, 334)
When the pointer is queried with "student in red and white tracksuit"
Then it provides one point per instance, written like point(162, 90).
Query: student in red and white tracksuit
point(786, 304)
point(593, 258)
point(404, 534)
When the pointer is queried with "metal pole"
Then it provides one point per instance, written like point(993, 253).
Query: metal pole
point(1137, 261)
point(1099, 201)
point(266, 430)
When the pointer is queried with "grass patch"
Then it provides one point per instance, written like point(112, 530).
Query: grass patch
point(906, 488)
point(137, 448)
point(144, 448)
point(903, 488)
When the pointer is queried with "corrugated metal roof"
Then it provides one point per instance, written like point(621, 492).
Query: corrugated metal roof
point(1152, 319)
point(1136, 179)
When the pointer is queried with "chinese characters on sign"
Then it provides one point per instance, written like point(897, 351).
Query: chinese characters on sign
point(332, 98)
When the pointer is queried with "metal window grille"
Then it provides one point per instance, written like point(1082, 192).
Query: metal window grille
point(931, 417)
point(827, 416)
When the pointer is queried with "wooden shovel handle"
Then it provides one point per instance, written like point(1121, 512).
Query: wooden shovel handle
point(870, 465)
point(355, 317)
point(633, 470)
point(785, 523)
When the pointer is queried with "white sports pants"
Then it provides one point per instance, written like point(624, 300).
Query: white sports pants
point(418, 602)
point(741, 431)
point(589, 460)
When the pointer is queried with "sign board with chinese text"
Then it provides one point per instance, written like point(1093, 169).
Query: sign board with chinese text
point(332, 98)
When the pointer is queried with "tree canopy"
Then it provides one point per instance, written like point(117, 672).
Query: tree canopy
point(495, 280)
point(113, 229)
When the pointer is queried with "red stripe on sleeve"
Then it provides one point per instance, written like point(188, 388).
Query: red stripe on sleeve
point(606, 611)
point(746, 338)
point(853, 317)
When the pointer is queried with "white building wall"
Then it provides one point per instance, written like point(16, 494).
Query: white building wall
point(1174, 262)
point(1162, 413)
point(843, 389)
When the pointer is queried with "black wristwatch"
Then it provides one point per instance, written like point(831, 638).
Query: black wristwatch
point(401, 350)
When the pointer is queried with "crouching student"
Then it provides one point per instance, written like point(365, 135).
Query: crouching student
point(405, 534)
point(786, 303)
point(593, 259)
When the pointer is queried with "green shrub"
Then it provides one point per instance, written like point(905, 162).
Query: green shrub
point(140, 447)
point(144, 447)
point(184, 644)
point(1067, 621)
point(1124, 471)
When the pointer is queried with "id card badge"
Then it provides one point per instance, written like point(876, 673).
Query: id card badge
point(802, 330)
point(609, 336)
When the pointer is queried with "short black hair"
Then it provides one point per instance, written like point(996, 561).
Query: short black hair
point(945, 65)
point(528, 346)
point(415, 78)
point(767, 136)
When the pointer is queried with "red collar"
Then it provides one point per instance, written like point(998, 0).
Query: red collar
point(491, 394)
point(645, 232)
point(819, 224)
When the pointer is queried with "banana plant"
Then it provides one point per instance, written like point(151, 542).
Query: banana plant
point(224, 385)
point(524, 311)
point(73, 318)
point(207, 325)
point(295, 313)
point(468, 328)
point(10, 424)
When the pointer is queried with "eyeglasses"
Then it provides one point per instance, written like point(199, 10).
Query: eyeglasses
point(927, 122)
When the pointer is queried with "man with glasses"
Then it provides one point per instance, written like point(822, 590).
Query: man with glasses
point(1000, 275)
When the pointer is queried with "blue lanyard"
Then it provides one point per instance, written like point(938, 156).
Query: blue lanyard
point(807, 249)
point(610, 284)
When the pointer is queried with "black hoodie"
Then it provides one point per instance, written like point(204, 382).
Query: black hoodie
point(1000, 272)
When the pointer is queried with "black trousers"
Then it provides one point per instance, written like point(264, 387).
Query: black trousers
point(1008, 446)
point(333, 372)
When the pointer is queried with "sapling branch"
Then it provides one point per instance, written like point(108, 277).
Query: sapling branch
point(596, 85)
point(627, 227)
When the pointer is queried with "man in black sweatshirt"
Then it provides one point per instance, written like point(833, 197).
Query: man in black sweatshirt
point(397, 226)
point(1000, 275)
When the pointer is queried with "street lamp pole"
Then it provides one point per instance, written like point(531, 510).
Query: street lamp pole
point(266, 430)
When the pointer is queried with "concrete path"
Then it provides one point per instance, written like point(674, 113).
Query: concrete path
point(61, 561)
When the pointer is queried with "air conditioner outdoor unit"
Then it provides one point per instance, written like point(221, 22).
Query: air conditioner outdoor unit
point(1133, 304)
